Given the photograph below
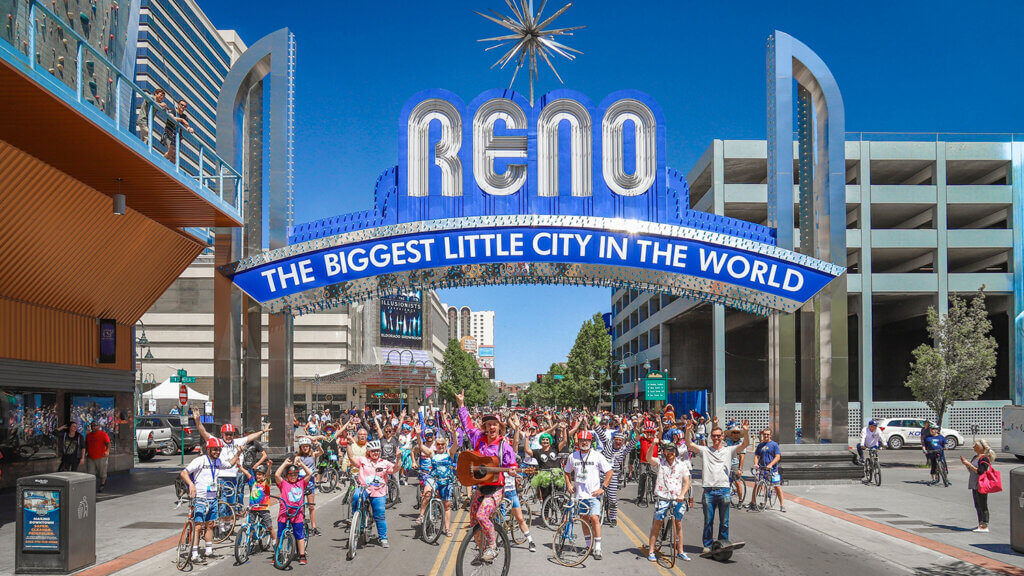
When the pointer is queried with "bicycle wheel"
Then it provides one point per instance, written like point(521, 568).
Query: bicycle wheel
point(876, 474)
point(573, 541)
point(243, 544)
point(524, 505)
point(944, 472)
point(185, 545)
point(264, 536)
point(285, 550)
point(665, 545)
point(651, 479)
point(353, 535)
point(515, 533)
point(762, 495)
point(551, 511)
point(470, 562)
point(433, 521)
point(224, 526)
point(393, 496)
point(738, 492)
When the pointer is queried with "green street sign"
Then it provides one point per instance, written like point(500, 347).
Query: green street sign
point(188, 379)
point(656, 387)
point(175, 379)
point(182, 372)
point(559, 377)
point(378, 394)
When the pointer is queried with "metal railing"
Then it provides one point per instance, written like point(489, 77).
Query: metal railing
point(981, 137)
point(176, 146)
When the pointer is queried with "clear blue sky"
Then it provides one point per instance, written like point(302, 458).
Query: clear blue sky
point(902, 67)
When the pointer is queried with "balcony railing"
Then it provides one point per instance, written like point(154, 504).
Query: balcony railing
point(93, 84)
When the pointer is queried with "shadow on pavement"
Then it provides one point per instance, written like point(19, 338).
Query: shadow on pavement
point(998, 548)
point(951, 528)
point(953, 569)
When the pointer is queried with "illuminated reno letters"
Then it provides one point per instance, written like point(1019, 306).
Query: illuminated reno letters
point(502, 145)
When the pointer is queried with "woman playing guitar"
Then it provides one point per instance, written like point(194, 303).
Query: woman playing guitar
point(489, 442)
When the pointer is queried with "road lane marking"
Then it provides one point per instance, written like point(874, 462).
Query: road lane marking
point(460, 534)
point(443, 552)
point(645, 542)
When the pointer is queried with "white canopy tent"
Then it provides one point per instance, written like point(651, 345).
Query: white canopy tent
point(168, 390)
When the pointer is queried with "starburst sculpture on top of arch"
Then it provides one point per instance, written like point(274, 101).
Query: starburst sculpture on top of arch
point(530, 38)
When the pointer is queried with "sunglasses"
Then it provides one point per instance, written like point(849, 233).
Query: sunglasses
point(716, 435)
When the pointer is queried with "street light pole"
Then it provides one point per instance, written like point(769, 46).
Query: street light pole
point(412, 360)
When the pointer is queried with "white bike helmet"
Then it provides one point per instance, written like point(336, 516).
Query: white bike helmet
point(373, 445)
point(305, 441)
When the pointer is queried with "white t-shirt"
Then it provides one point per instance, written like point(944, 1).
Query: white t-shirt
point(589, 471)
point(227, 453)
point(716, 465)
point(671, 478)
point(205, 471)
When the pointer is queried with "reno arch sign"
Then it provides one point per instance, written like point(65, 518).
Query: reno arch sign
point(500, 192)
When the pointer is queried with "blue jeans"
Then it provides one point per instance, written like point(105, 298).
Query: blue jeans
point(716, 499)
point(377, 504)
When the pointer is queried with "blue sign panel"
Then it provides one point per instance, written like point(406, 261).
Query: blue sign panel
point(567, 192)
point(41, 523)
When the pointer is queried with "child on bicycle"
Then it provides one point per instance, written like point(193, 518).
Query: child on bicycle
point(373, 484)
point(308, 453)
point(670, 489)
point(201, 477)
point(259, 498)
point(442, 475)
point(293, 494)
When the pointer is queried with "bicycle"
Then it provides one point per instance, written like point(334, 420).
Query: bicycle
point(286, 549)
point(872, 470)
point(666, 540)
point(508, 519)
point(764, 492)
point(645, 486)
point(362, 521)
point(253, 532)
point(433, 519)
point(941, 470)
point(227, 514)
point(738, 490)
point(329, 471)
point(470, 562)
point(393, 497)
point(551, 509)
point(574, 539)
point(188, 532)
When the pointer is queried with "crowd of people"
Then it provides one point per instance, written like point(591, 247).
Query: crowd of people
point(586, 453)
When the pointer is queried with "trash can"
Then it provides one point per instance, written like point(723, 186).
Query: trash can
point(1017, 509)
point(56, 523)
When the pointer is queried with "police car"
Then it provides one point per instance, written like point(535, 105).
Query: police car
point(897, 432)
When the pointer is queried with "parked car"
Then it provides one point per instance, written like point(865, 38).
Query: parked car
point(177, 423)
point(898, 432)
point(1013, 431)
point(151, 435)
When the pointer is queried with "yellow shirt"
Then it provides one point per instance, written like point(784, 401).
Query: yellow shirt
point(354, 453)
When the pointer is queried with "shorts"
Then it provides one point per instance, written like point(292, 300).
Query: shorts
point(445, 491)
point(678, 509)
point(593, 504)
point(427, 481)
point(513, 497)
point(262, 516)
point(97, 467)
point(310, 488)
point(297, 527)
point(205, 509)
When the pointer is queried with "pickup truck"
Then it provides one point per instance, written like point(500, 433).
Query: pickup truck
point(176, 424)
point(1013, 431)
point(151, 434)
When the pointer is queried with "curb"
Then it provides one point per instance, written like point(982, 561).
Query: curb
point(952, 551)
point(131, 558)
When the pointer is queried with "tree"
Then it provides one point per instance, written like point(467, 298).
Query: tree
point(459, 371)
point(590, 354)
point(960, 362)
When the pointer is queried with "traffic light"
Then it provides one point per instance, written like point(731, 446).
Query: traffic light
point(539, 378)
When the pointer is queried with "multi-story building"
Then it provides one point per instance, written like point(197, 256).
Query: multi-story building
point(927, 218)
point(181, 51)
point(479, 324)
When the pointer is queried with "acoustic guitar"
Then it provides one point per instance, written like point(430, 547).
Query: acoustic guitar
point(474, 469)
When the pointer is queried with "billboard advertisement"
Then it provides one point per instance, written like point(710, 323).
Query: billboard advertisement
point(42, 520)
point(486, 352)
point(401, 320)
point(469, 344)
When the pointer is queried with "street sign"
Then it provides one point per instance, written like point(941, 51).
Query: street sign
point(175, 379)
point(656, 387)
point(152, 404)
point(378, 394)
point(183, 394)
point(559, 377)
point(188, 379)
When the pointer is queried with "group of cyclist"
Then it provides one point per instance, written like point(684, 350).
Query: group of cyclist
point(586, 454)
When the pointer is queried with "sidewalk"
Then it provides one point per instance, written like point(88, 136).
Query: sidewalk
point(906, 502)
point(135, 510)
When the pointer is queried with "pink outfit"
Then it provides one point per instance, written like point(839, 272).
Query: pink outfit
point(375, 471)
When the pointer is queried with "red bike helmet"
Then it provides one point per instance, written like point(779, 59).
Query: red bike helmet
point(584, 435)
point(214, 443)
point(227, 428)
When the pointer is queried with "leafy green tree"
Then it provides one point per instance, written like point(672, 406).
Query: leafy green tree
point(960, 362)
point(590, 365)
point(459, 371)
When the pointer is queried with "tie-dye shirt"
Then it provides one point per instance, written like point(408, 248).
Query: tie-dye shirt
point(259, 494)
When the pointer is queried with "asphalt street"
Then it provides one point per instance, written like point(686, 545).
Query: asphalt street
point(798, 542)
